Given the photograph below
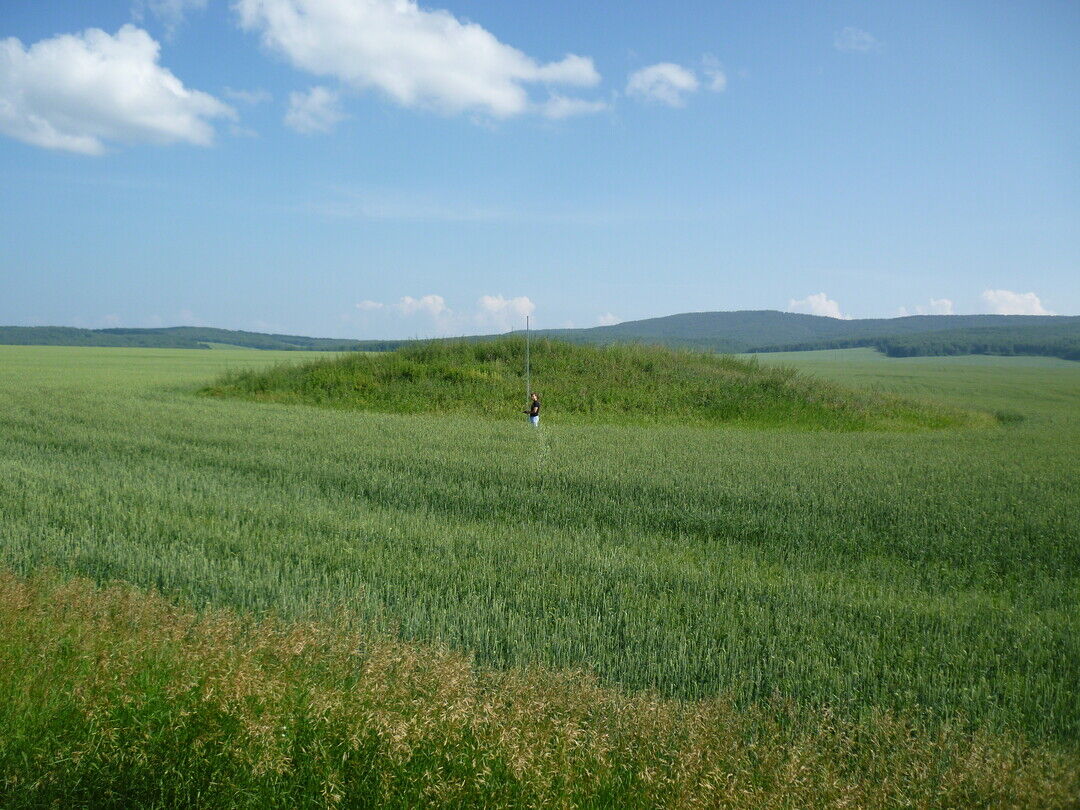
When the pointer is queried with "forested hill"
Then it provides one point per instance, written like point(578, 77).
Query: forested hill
point(181, 337)
point(769, 330)
point(1053, 340)
point(728, 332)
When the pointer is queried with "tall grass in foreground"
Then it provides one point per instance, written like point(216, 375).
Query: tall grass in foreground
point(113, 697)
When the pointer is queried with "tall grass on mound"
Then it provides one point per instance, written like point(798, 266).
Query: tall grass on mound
point(116, 698)
point(635, 384)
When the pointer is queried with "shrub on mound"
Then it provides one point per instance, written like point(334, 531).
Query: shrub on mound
point(579, 383)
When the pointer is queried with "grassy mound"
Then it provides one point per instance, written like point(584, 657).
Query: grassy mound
point(629, 384)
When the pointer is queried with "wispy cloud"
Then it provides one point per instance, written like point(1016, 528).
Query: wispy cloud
point(249, 97)
point(665, 83)
point(855, 40)
point(607, 319)
point(937, 306)
point(316, 111)
point(558, 107)
point(383, 204)
point(716, 79)
point(170, 12)
point(370, 306)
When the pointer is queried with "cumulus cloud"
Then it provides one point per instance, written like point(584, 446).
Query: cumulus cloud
point(1007, 302)
point(816, 304)
point(558, 107)
point(417, 57)
point(521, 305)
point(498, 312)
point(431, 305)
point(78, 91)
point(665, 82)
point(369, 306)
point(855, 40)
point(938, 306)
point(607, 319)
point(317, 110)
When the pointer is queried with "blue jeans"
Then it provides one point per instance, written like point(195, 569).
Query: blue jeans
point(535, 420)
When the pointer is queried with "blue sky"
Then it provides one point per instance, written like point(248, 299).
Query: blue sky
point(374, 168)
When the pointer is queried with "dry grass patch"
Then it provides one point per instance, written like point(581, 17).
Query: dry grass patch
point(116, 697)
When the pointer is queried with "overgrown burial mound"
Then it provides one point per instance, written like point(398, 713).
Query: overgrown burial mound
point(578, 383)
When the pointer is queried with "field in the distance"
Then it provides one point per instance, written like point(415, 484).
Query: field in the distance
point(933, 574)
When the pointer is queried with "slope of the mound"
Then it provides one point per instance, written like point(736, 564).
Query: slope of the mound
point(577, 383)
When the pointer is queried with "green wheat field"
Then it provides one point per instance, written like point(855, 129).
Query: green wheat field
point(214, 600)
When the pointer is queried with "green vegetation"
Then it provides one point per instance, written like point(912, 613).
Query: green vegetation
point(180, 337)
point(120, 699)
point(1052, 340)
point(745, 331)
point(887, 613)
point(768, 330)
point(625, 384)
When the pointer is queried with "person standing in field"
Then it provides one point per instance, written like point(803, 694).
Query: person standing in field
point(534, 410)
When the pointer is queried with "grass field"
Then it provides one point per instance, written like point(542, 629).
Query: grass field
point(933, 575)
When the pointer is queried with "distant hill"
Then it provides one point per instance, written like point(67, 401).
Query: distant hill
point(769, 330)
point(181, 337)
point(728, 332)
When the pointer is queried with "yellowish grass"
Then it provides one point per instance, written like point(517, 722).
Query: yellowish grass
point(116, 697)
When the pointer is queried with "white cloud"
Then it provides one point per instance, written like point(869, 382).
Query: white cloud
point(497, 304)
point(78, 91)
point(368, 306)
point(1006, 302)
point(937, 306)
point(170, 12)
point(317, 110)
point(110, 321)
point(666, 82)
point(250, 97)
point(717, 79)
point(558, 107)
point(418, 58)
point(816, 304)
point(503, 313)
point(188, 318)
point(432, 305)
point(855, 40)
point(607, 319)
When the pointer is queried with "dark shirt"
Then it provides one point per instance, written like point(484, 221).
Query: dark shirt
point(534, 409)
